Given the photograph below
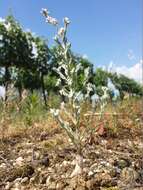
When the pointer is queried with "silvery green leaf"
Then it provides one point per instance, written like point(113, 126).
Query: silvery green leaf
point(60, 73)
point(63, 66)
point(86, 72)
point(78, 67)
point(34, 50)
point(78, 96)
point(7, 25)
point(68, 45)
point(71, 93)
point(56, 38)
point(54, 112)
point(1, 37)
point(69, 81)
point(73, 70)
point(62, 105)
point(58, 82)
point(63, 92)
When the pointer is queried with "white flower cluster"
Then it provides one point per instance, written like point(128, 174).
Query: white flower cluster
point(6, 24)
point(1, 38)
point(52, 20)
point(49, 19)
point(34, 50)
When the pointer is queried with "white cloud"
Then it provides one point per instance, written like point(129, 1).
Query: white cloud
point(111, 67)
point(34, 50)
point(2, 20)
point(85, 56)
point(133, 72)
point(131, 55)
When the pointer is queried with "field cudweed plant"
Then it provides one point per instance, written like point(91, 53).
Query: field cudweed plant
point(69, 113)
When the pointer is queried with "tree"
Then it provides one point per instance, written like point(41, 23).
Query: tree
point(42, 60)
point(14, 48)
point(121, 82)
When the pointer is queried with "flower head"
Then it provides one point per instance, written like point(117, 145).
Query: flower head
point(44, 12)
point(61, 32)
point(34, 50)
point(7, 25)
point(51, 20)
point(66, 20)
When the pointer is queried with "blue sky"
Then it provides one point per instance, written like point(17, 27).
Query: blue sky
point(103, 30)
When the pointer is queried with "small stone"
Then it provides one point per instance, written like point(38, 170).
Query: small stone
point(73, 162)
point(17, 185)
point(16, 188)
point(106, 180)
point(89, 184)
point(37, 155)
point(3, 166)
point(39, 169)
point(24, 180)
point(52, 185)
point(60, 186)
point(113, 172)
point(45, 161)
point(19, 161)
point(65, 163)
point(73, 182)
point(94, 166)
point(32, 179)
point(91, 173)
point(50, 170)
point(48, 180)
point(68, 188)
point(8, 186)
point(77, 171)
point(17, 180)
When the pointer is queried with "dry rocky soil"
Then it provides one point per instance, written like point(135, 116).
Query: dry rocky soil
point(37, 159)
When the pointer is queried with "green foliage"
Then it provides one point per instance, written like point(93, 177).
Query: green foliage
point(32, 109)
point(27, 62)
point(100, 77)
point(15, 50)
point(50, 82)
point(121, 82)
point(85, 63)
